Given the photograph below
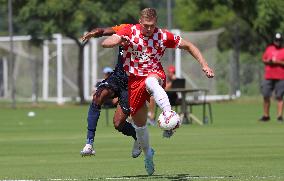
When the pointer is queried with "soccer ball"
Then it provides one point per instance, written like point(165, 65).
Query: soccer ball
point(31, 114)
point(169, 120)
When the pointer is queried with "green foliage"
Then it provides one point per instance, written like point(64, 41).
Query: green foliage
point(256, 21)
point(270, 18)
point(201, 15)
point(161, 7)
point(251, 69)
point(249, 26)
point(239, 33)
point(3, 17)
point(41, 18)
point(222, 72)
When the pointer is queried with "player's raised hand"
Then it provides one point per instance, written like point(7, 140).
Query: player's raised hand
point(208, 71)
point(97, 32)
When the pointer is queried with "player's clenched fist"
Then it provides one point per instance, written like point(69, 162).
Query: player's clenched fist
point(208, 71)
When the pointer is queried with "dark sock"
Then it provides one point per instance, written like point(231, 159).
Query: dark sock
point(93, 117)
point(128, 130)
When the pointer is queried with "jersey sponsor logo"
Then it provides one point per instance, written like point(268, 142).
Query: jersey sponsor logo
point(142, 55)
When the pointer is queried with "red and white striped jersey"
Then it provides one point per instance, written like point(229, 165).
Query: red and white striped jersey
point(142, 54)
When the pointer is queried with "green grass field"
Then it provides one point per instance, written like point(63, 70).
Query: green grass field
point(235, 147)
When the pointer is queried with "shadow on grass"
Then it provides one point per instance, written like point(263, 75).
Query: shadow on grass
point(176, 177)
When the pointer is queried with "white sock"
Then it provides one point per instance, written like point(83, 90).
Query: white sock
point(142, 135)
point(87, 146)
point(159, 94)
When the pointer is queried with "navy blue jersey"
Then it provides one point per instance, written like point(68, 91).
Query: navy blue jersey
point(118, 83)
point(119, 71)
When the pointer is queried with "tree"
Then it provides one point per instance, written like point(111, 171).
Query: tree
point(42, 18)
point(201, 15)
point(257, 20)
point(261, 19)
point(3, 17)
point(249, 24)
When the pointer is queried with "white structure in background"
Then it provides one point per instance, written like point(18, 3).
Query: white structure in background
point(5, 76)
point(90, 51)
point(45, 80)
point(5, 68)
point(94, 45)
point(94, 66)
point(59, 83)
point(45, 72)
point(178, 56)
point(59, 41)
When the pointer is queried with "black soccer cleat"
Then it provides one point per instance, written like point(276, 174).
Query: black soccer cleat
point(264, 118)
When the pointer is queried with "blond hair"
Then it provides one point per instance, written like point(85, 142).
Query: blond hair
point(148, 13)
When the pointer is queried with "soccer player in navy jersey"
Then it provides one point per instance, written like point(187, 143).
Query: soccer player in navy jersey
point(114, 86)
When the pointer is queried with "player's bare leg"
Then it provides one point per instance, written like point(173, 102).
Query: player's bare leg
point(266, 107)
point(279, 109)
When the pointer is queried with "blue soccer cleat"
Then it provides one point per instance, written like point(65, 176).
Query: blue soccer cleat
point(149, 164)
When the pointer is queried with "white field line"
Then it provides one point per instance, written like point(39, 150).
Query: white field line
point(166, 177)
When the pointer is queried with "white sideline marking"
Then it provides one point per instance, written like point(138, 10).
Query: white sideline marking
point(153, 177)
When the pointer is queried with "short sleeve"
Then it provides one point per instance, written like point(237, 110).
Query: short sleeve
point(119, 27)
point(171, 41)
point(124, 32)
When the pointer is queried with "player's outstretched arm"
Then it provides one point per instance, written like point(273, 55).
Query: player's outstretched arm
point(112, 41)
point(193, 50)
point(97, 32)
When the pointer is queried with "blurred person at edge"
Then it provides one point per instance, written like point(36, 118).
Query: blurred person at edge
point(171, 76)
point(273, 59)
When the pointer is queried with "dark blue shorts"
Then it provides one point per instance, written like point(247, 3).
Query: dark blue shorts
point(268, 86)
point(120, 89)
